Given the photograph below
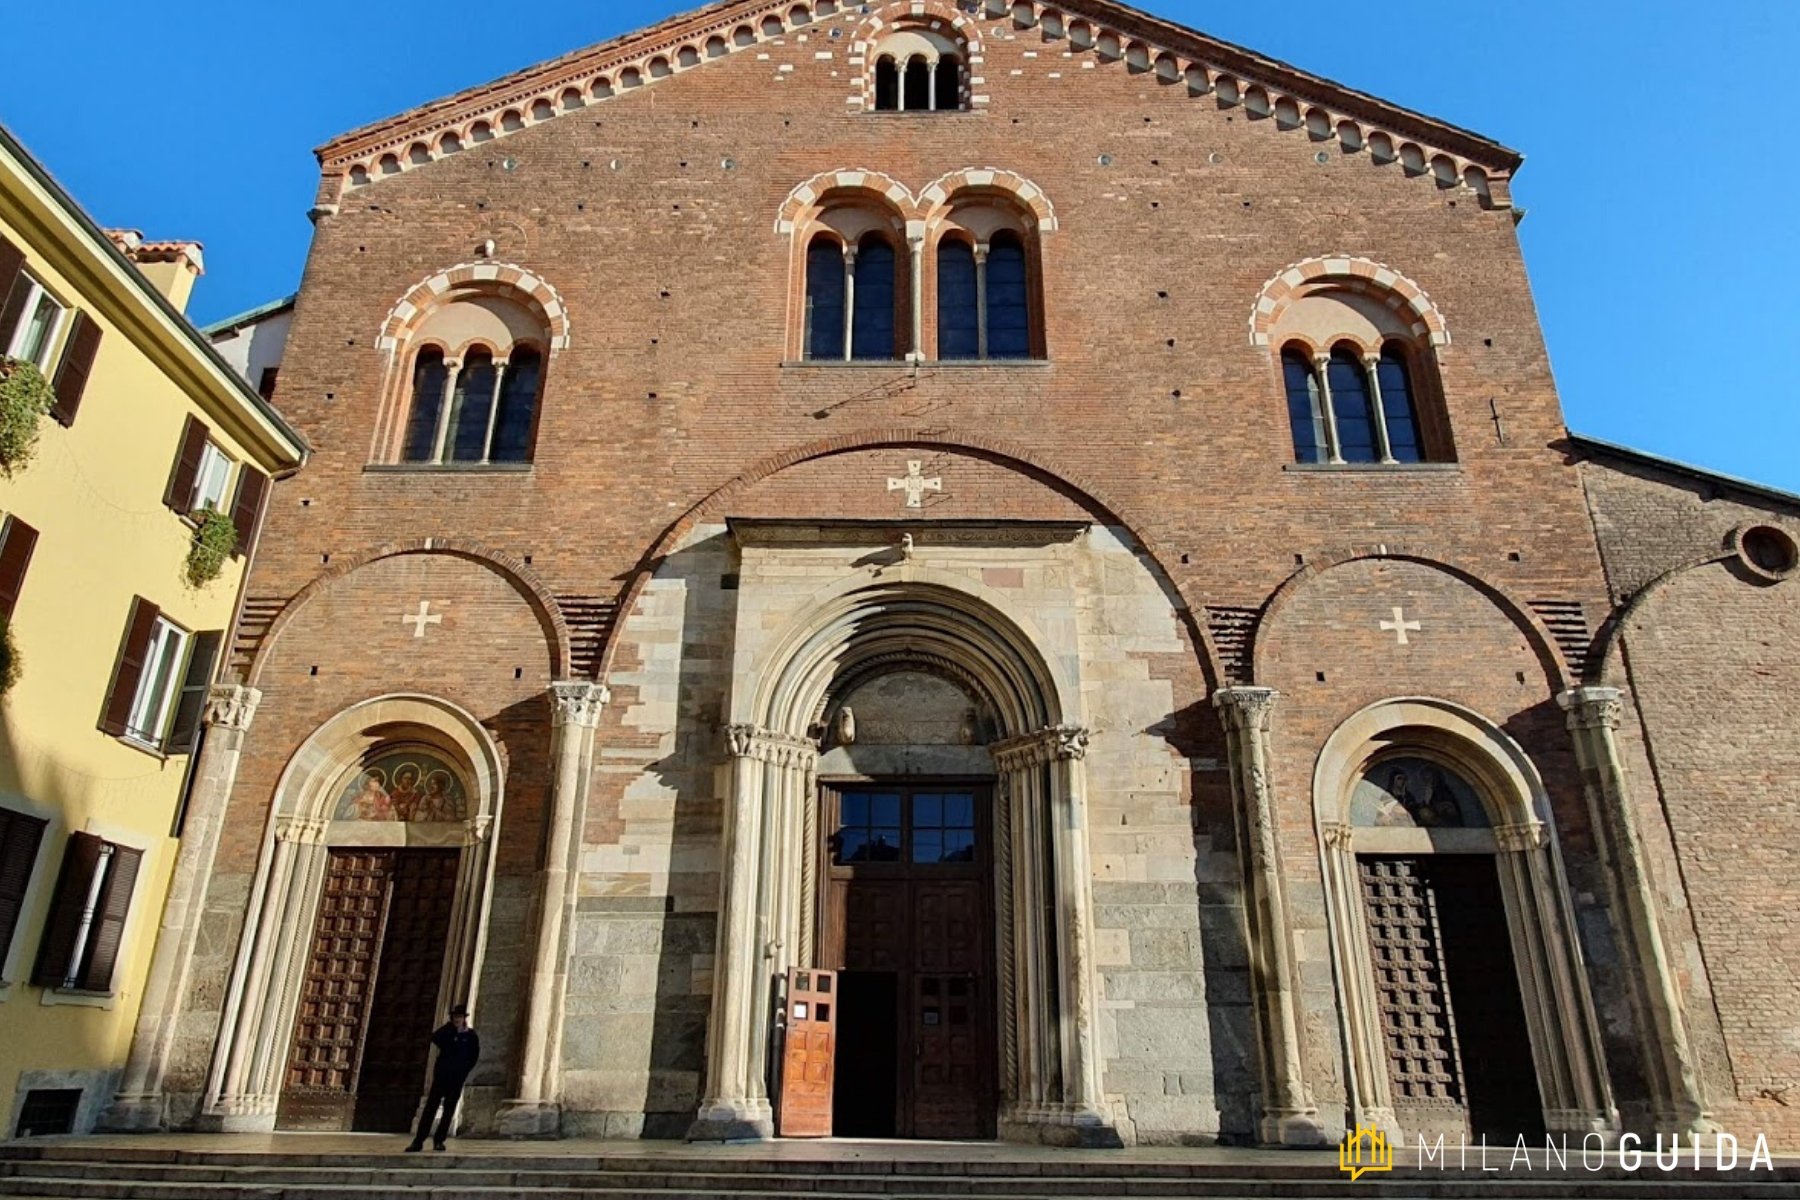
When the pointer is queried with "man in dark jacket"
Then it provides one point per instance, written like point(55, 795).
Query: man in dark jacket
point(457, 1049)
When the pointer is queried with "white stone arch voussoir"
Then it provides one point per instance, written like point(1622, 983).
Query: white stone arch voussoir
point(1353, 274)
point(1028, 195)
point(856, 179)
point(537, 292)
point(1553, 980)
point(263, 994)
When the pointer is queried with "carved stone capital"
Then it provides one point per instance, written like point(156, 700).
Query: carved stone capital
point(578, 702)
point(479, 829)
point(1337, 836)
point(1524, 836)
point(302, 831)
point(1593, 707)
point(232, 705)
point(1055, 743)
point(1246, 709)
point(765, 745)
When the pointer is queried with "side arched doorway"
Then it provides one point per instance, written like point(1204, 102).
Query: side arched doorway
point(1461, 986)
point(365, 921)
point(907, 804)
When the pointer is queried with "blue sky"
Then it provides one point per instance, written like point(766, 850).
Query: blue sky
point(1662, 242)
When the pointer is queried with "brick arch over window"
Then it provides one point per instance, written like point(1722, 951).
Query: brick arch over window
point(1008, 453)
point(935, 16)
point(1358, 275)
point(537, 294)
point(1543, 643)
point(529, 585)
point(807, 198)
point(944, 191)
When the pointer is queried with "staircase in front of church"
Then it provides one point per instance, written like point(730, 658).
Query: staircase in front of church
point(147, 1171)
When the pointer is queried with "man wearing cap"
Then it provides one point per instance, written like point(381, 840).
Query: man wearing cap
point(457, 1049)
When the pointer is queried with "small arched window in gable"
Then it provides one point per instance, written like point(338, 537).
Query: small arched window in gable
point(919, 70)
point(477, 402)
point(1360, 383)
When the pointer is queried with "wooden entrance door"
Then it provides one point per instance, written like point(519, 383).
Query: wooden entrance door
point(907, 918)
point(370, 997)
point(809, 1053)
point(1459, 1050)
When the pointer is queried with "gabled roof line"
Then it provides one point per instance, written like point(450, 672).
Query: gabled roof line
point(1593, 447)
point(229, 324)
point(1265, 87)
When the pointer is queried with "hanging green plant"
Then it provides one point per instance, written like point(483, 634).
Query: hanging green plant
point(11, 661)
point(214, 539)
point(25, 398)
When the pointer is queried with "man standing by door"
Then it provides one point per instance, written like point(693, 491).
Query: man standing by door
point(458, 1047)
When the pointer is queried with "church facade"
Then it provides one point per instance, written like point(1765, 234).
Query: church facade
point(973, 570)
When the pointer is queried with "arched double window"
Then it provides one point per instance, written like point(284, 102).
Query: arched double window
point(1346, 406)
point(477, 410)
point(984, 300)
point(918, 70)
point(476, 380)
point(851, 299)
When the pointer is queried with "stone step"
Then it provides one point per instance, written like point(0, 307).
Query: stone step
point(496, 1180)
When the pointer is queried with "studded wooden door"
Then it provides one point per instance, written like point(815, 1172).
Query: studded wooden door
point(320, 1089)
point(809, 1054)
point(405, 1008)
point(1417, 1021)
point(361, 1037)
point(906, 915)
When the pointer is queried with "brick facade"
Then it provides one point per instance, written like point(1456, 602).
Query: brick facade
point(1158, 420)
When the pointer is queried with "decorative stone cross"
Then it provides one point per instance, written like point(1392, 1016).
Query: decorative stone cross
point(915, 485)
point(1402, 626)
point(425, 617)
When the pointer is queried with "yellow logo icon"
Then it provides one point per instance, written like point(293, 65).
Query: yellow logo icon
point(1363, 1151)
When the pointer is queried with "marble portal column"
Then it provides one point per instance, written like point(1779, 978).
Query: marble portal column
point(139, 1105)
point(1289, 1116)
point(1594, 714)
point(536, 1108)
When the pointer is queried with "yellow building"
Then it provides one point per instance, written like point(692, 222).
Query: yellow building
point(118, 645)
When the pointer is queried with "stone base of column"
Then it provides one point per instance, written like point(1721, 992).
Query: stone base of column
point(132, 1114)
point(241, 1117)
point(1299, 1129)
point(1580, 1124)
point(733, 1121)
point(522, 1119)
point(1067, 1125)
point(1700, 1129)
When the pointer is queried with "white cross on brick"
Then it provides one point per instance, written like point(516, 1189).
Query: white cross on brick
point(424, 617)
point(915, 485)
point(1402, 626)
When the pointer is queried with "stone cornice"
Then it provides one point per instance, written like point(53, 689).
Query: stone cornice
point(1291, 100)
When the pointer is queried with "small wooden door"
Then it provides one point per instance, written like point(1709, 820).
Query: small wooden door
point(362, 1034)
point(809, 1060)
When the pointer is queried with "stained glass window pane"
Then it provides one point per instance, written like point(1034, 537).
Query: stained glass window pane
point(958, 311)
point(1397, 402)
point(1305, 414)
point(518, 408)
point(469, 410)
point(427, 401)
point(873, 334)
point(1350, 404)
point(1009, 310)
point(825, 300)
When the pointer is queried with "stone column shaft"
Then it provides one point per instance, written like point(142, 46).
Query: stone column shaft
point(535, 1110)
point(1289, 1116)
point(139, 1106)
point(1594, 714)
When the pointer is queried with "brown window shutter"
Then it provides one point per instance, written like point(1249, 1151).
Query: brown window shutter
point(190, 711)
point(106, 935)
point(77, 364)
point(17, 541)
point(180, 493)
point(117, 714)
point(73, 882)
point(20, 836)
point(247, 509)
point(14, 287)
